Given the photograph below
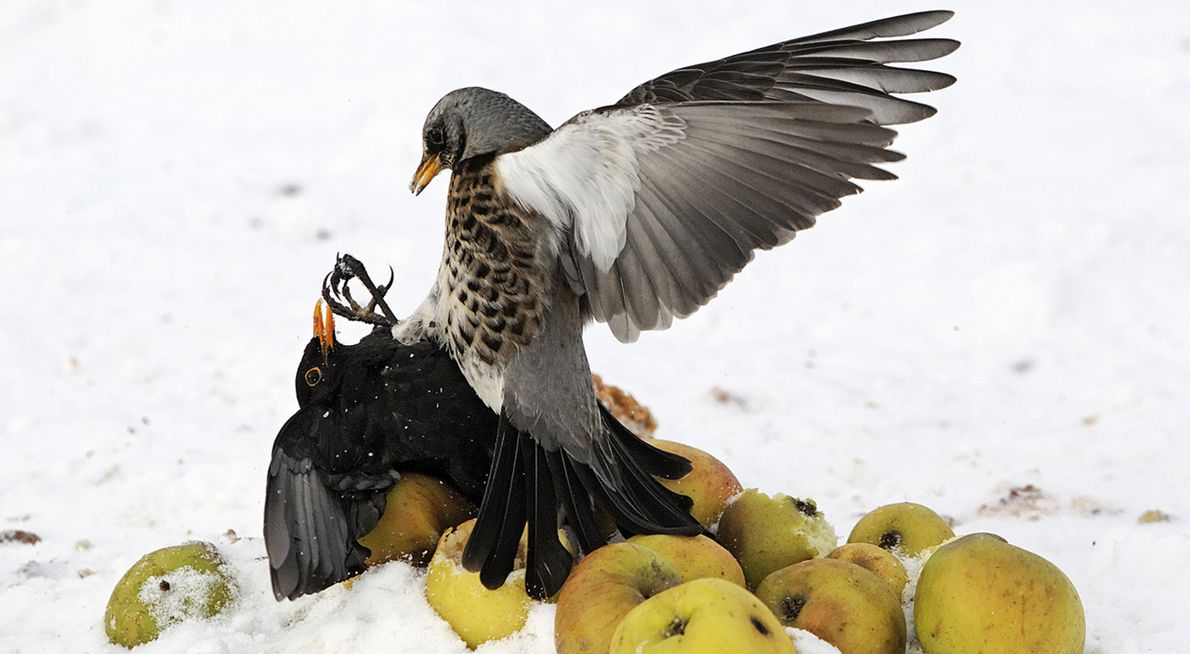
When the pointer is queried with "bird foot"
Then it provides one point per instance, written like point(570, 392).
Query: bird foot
point(336, 291)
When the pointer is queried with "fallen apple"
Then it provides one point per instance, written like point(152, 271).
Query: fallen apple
point(877, 561)
point(769, 533)
point(694, 557)
point(418, 509)
point(705, 616)
point(905, 528)
point(980, 594)
point(840, 602)
point(602, 589)
point(476, 614)
point(165, 587)
point(710, 484)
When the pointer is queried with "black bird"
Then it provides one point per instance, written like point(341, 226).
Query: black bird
point(633, 214)
point(368, 412)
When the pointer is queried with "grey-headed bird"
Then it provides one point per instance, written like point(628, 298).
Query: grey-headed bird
point(633, 214)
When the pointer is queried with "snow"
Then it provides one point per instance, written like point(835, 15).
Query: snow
point(175, 179)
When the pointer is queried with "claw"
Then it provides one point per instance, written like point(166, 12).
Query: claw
point(336, 291)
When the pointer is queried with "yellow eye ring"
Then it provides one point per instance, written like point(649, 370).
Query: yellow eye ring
point(313, 376)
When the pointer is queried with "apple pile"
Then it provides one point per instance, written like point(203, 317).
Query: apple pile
point(767, 567)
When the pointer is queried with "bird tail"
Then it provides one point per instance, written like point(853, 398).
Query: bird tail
point(529, 484)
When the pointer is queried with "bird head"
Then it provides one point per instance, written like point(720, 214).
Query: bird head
point(470, 122)
point(316, 374)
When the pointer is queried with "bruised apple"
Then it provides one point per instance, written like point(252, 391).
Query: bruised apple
point(418, 509)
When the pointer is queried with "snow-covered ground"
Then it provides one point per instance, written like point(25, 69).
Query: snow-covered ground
point(175, 179)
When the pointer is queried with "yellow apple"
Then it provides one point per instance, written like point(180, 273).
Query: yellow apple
point(418, 509)
point(768, 533)
point(165, 587)
point(705, 616)
point(601, 590)
point(876, 560)
point(980, 594)
point(694, 557)
point(905, 528)
point(710, 484)
point(475, 613)
point(840, 602)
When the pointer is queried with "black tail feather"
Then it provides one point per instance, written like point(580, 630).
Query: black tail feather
point(654, 460)
point(491, 548)
point(577, 505)
point(529, 482)
point(548, 563)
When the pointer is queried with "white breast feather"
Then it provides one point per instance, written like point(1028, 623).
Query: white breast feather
point(584, 176)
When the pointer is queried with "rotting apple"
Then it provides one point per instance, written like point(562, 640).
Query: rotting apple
point(768, 533)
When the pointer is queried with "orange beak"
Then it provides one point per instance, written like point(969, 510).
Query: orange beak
point(324, 329)
point(429, 168)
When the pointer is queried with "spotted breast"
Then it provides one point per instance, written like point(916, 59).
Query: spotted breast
point(495, 276)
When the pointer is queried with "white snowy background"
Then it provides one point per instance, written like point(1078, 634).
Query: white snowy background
point(176, 178)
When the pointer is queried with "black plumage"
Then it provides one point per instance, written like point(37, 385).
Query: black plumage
point(367, 413)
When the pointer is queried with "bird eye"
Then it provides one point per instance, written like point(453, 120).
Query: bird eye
point(313, 376)
point(434, 136)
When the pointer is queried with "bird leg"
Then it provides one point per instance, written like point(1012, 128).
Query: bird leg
point(337, 293)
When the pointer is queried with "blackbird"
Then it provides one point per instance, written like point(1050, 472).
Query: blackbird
point(367, 413)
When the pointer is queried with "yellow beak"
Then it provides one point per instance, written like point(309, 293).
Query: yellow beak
point(324, 329)
point(429, 168)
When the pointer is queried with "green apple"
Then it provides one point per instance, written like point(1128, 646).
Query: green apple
point(705, 616)
point(418, 509)
point(980, 594)
point(602, 589)
point(840, 602)
point(710, 484)
point(768, 533)
point(694, 557)
point(165, 587)
point(475, 613)
point(877, 561)
point(905, 528)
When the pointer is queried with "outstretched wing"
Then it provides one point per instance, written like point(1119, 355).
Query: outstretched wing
point(659, 200)
point(843, 66)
